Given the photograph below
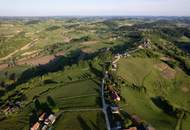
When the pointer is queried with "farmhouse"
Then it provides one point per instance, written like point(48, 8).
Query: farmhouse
point(10, 108)
point(114, 109)
point(41, 118)
point(114, 66)
point(146, 44)
point(50, 120)
point(45, 121)
point(115, 96)
point(35, 126)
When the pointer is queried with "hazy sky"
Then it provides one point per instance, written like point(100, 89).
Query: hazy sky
point(94, 7)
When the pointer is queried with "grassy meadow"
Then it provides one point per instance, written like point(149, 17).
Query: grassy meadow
point(159, 80)
point(81, 121)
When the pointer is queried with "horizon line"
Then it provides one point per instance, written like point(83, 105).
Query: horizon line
point(95, 16)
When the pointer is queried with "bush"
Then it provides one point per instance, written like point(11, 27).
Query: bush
point(52, 28)
point(172, 64)
point(2, 92)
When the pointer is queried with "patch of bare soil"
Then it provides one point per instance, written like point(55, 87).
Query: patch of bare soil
point(169, 73)
point(161, 66)
point(166, 59)
point(27, 46)
point(166, 71)
point(89, 43)
point(87, 50)
point(29, 53)
point(41, 60)
point(37, 60)
point(185, 89)
point(3, 66)
point(34, 61)
point(67, 39)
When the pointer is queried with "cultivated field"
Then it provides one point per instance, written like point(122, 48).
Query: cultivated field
point(159, 80)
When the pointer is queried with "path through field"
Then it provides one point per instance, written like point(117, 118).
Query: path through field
point(21, 49)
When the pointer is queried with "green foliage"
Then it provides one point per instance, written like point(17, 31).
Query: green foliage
point(172, 101)
point(52, 28)
point(172, 63)
point(145, 53)
point(81, 39)
point(12, 44)
point(54, 89)
point(81, 120)
point(141, 105)
point(2, 92)
point(32, 22)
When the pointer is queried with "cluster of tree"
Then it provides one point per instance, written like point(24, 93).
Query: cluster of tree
point(74, 26)
point(52, 28)
point(145, 53)
point(44, 106)
point(155, 24)
point(166, 106)
point(110, 23)
point(32, 22)
point(48, 107)
point(51, 49)
point(174, 33)
point(9, 78)
point(81, 39)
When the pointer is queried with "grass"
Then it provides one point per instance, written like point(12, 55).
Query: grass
point(78, 87)
point(18, 70)
point(142, 72)
point(141, 105)
point(13, 44)
point(133, 70)
point(97, 31)
point(62, 95)
point(82, 91)
point(74, 82)
point(81, 121)
point(185, 123)
point(17, 121)
point(14, 123)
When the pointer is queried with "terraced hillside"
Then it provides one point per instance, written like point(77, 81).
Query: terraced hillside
point(56, 65)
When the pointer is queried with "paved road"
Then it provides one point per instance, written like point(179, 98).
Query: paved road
point(104, 106)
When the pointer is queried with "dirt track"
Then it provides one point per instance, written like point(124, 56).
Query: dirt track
point(21, 49)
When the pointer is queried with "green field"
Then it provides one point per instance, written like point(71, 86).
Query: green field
point(18, 70)
point(154, 80)
point(140, 104)
point(75, 88)
point(75, 95)
point(81, 121)
point(49, 33)
point(146, 72)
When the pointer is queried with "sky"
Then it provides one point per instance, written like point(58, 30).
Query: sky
point(94, 7)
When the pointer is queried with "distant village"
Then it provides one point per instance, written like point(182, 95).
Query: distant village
point(113, 97)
